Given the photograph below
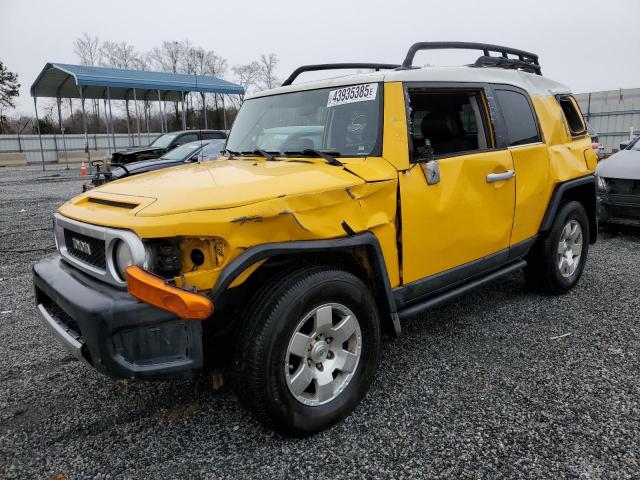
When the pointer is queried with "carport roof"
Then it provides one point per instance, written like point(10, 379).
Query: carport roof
point(62, 80)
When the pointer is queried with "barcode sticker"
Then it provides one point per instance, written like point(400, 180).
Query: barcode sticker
point(355, 93)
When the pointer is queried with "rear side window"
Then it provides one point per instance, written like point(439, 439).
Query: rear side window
point(572, 115)
point(518, 117)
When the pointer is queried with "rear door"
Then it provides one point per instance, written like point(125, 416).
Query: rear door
point(530, 159)
point(459, 224)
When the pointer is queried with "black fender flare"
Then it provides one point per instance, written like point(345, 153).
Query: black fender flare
point(561, 192)
point(267, 250)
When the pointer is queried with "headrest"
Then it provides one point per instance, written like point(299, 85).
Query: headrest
point(438, 125)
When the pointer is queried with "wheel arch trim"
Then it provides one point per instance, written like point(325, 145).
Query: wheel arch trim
point(561, 193)
point(265, 251)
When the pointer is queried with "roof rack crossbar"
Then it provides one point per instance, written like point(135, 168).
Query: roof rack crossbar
point(526, 61)
point(336, 66)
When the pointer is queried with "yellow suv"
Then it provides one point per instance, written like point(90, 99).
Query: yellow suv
point(340, 207)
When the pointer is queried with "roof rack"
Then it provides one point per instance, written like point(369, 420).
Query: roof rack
point(336, 66)
point(526, 61)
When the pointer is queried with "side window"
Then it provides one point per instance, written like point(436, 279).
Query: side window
point(452, 121)
point(189, 137)
point(211, 135)
point(572, 115)
point(519, 119)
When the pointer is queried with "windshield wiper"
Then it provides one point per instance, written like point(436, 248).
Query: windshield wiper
point(262, 153)
point(231, 153)
point(328, 156)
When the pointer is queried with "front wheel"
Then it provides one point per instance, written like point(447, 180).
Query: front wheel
point(556, 263)
point(308, 350)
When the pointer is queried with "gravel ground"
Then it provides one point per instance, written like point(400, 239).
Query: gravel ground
point(500, 384)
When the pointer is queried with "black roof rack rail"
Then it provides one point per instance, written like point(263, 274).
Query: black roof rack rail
point(336, 66)
point(526, 61)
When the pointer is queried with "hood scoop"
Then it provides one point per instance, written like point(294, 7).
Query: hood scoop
point(113, 203)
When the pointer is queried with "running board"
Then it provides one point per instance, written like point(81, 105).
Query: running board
point(457, 291)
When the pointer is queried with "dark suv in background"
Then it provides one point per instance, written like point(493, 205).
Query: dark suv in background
point(165, 143)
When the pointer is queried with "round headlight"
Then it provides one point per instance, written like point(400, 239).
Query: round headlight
point(122, 258)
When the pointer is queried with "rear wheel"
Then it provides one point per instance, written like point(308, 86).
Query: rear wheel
point(308, 350)
point(556, 264)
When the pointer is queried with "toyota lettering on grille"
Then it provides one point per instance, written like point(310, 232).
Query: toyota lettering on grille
point(81, 246)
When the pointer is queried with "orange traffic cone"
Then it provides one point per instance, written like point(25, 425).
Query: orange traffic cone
point(83, 169)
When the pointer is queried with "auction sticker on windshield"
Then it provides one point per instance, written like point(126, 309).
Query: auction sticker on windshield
point(355, 93)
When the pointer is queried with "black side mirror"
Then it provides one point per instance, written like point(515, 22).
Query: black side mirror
point(624, 145)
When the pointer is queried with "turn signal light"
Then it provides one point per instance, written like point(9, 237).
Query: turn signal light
point(151, 289)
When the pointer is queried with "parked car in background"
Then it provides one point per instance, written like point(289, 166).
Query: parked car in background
point(619, 187)
point(189, 152)
point(165, 143)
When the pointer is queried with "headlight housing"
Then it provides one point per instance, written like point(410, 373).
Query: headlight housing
point(122, 258)
point(602, 184)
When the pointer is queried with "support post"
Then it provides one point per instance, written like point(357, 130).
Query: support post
point(184, 114)
point(204, 109)
point(135, 101)
point(106, 124)
point(113, 134)
point(64, 140)
point(224, 113)
point(35, 105)
point(161, 113)
point(84, 125)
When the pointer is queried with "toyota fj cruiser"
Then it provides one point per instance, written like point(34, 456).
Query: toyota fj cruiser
point(343, 206)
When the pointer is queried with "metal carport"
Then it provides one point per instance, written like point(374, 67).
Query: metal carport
point(60, 80)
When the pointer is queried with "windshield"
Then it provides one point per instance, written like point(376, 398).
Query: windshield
point(163, 141)
point(182, 152)
point(344, 121)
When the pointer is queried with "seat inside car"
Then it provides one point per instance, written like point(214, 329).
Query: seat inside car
point(442, 129)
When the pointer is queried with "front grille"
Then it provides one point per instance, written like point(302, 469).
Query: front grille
point(631, 213)
point(59, 315)
point(88, 249)
point(619, 186)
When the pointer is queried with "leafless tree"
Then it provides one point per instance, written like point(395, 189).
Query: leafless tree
point(121, 55)
point(89, 52)
point(267, 77)
point(247, 76)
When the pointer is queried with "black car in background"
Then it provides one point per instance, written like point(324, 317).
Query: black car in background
point(165, 143)
point(619, 187)
point(197, 151)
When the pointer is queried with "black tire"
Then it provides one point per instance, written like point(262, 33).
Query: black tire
point(263, 338)
point(542, 272)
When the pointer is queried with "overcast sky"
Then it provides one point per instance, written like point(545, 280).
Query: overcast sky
point(587, 44)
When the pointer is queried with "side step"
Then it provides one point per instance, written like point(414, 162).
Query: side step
point(462, 289)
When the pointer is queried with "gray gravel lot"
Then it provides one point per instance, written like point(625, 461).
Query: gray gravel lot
point(479, 388)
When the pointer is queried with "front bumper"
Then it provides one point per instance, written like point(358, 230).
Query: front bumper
point(619, 211)
point(110, 330)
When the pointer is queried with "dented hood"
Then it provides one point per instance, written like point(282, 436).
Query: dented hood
point(224, 184)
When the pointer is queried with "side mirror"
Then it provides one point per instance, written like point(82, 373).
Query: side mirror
point(424, 154)
point(624, 145)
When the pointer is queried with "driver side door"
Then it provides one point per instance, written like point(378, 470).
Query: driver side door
point(458, 225)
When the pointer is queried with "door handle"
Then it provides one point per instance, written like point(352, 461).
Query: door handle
point(498, 177)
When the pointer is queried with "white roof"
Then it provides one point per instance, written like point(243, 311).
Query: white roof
point(532, 83)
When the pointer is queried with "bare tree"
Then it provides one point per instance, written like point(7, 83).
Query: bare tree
point(88, 50)
point(247, 76)
point(169, 57)
point(121, 55)
point(267, 77)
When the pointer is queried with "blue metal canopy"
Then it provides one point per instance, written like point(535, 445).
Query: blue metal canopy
point(65, 81)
